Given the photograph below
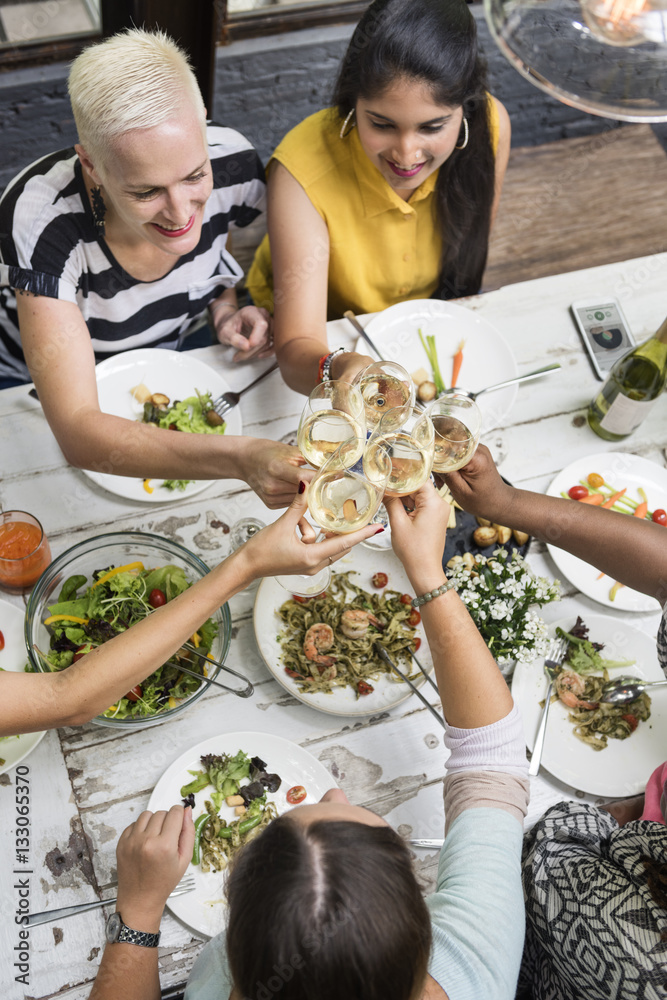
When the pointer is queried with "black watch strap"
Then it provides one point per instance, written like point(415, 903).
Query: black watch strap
point(119, 933)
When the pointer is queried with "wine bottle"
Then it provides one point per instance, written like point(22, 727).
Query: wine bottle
point(632, 387)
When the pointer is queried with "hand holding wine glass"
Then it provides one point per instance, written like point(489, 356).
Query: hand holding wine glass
point(342, 499)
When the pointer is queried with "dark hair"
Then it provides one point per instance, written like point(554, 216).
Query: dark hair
point(434, 42)
point(331, 910)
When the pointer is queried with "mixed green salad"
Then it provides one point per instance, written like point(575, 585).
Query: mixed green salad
point(116, 599)
point(194, 415)
point(216, 839)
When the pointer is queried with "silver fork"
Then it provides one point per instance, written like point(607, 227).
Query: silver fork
point(223, 404)
point(555, 656)
point(186, 884)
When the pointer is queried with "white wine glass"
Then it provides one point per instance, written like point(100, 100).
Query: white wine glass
point(384, 385)
point(407, 436)
point(342, 499)
point(457, 422)
point(334, 413)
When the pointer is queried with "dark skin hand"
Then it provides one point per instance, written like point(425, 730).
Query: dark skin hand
point(627, 549)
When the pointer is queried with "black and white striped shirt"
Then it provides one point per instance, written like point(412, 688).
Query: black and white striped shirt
point(49, 246)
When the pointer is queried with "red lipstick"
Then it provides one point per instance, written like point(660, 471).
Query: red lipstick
point(173, 233)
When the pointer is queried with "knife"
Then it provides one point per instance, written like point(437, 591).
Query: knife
point(426, 843)
point(349, 315)
point(384, 655)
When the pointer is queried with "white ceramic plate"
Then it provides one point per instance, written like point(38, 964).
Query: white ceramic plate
point(487, 357)
point(14, 657)
point(624, 766)
point(174, 373)
point(619, 469)
point(342, 701)
point(204, 909)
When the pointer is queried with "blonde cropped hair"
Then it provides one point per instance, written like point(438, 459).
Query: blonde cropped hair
point(135, 79)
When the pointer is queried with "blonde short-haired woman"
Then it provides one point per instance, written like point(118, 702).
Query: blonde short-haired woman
point(123, 242)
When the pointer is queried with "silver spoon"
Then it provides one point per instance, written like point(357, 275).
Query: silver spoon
point(624, 689)
point(538, 373)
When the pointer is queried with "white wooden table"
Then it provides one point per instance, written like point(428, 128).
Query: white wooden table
point(87, 784)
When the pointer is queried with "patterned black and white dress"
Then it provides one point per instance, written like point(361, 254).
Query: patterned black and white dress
point(49, 246)
point(593, 931)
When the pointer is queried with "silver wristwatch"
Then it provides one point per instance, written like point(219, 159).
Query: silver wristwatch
point(119, 933)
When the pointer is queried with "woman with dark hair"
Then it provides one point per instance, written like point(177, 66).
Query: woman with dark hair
point(324, 903)
point(390, 194)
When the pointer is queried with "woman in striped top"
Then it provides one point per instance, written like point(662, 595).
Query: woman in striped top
point(123, 242)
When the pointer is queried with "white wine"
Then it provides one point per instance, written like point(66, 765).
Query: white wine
point(381, 391)
point(342, 502)
point(322, 432)
point(454, 444)
point(410, 462)
point(631, 389)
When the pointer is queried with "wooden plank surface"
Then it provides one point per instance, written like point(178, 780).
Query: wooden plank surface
point(90, 781)
point(578, 203)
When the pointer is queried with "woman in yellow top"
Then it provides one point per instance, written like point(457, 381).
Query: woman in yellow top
point(390, 194)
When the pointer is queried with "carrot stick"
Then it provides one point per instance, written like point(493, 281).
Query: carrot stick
point(612, 499)
point(599, 576)
point(640, 510)
point(594, 498)
point(457, 362)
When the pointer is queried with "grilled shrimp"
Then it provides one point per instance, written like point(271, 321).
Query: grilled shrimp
point(318, 639)
point(569, 687)
point(354, 624)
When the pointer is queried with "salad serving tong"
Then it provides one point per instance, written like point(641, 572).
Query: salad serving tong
point(240, 692)
point(555, 656)
point(187, 884)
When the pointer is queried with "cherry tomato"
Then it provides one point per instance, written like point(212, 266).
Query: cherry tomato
point(2, 641)
point(296, 794)
point(364, 688)
point(80, 651)
point(380, 580)
point(577, 492)
point(156, 598)
point(631, 720)
point(414, 618)
point(595, 480)
point(406, 599)
point(659, 516)
point(299, 599)
point(416, 643)
point(134, 694)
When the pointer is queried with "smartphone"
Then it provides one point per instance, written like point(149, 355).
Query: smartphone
point(604, 331)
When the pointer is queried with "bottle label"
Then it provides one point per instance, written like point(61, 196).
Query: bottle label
point(625, 415)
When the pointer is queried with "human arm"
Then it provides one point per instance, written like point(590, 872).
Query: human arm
point(32, 702)
point(248, 329)
point(300, 256)
point(472, 689)
point(152, 855)
point(502, 154)
point(628, 549)
point(60, 357)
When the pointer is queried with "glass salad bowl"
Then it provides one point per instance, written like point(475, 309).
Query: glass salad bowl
point(99, 555)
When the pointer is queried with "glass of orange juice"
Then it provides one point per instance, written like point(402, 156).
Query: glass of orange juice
point(24, 551)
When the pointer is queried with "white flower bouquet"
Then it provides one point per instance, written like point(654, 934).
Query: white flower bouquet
point(500, 593)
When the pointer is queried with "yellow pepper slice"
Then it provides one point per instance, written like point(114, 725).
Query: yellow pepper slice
point(67, 618)
point(147, 486)
point(172, 703)
point(114, 572)
point(194, 639)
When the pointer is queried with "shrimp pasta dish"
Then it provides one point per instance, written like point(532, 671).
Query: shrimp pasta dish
point(328, 641)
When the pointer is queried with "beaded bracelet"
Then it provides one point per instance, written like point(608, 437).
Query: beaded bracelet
point(431, 594)
point(324, 370)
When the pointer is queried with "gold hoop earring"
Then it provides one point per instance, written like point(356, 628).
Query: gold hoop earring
point(342, 132)
point(466, 135)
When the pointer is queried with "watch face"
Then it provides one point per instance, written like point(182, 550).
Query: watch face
point(114, 924)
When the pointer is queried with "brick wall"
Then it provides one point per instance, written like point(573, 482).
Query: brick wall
point(263, 87)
